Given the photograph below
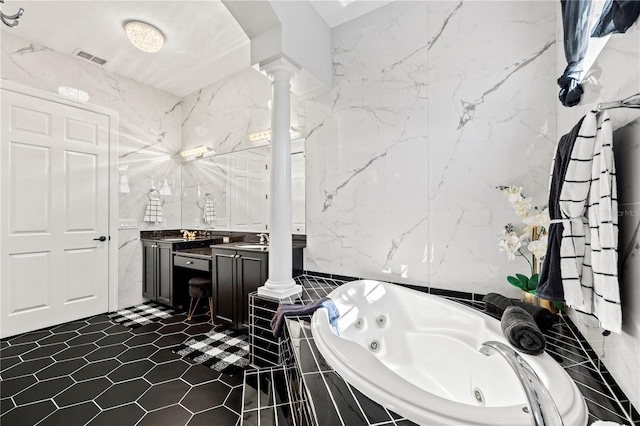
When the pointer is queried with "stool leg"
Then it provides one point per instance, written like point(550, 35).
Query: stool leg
point(211, 309)
point(191, 312)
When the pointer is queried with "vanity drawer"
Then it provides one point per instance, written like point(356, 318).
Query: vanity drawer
point(192, 263)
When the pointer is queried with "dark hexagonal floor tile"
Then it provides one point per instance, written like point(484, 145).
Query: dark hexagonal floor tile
point(78, 414)
point(99, 318)
point(164, 355)
point(197, 329)
point(83, 339)
point(167, 371)
point(131, 370)
point(29, 337)
point(216, 416)
point(27, 367)
point(70, 326)
point(44, 351)
point(6, 363)
point(11, 387)
point(170, 416)
point(117, 328)
point(96, 369)
point(147, 328)
point(173, 328)
point(82, 392)
point(62, 368)
point(141, 352)
point(15, 350)
point(235, 380)
point(205, 396)
point(113, 339)
point(234, 401)
point(198, 374)
point(106, 352)
point(28, 415)
point(122, 393)
point(164, 395)
point(57, 338)
point(141, 339)
point(126, 415)
point(43, 390)
point(75, 352)
point(171, 340)
point(6, 405)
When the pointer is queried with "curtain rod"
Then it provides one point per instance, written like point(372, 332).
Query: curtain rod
point(632, 101)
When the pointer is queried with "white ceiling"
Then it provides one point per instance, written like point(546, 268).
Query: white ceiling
point(203, 42)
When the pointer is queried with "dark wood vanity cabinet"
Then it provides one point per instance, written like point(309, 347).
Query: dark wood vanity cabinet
point(235, 274)
point(157, 272)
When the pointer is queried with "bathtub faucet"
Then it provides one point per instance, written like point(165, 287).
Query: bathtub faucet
point(543, 409)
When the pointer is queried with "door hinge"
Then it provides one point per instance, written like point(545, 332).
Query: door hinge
point(266, 196)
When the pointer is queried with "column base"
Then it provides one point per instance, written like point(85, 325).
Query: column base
point(280, 293)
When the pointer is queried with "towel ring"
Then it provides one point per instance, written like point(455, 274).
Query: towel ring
point(208, 196)
point(154, 195)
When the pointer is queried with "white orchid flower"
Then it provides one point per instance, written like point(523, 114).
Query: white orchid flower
point(539, 247)
point(513, 194)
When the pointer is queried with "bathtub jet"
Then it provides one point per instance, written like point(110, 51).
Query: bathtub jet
point(418, 355)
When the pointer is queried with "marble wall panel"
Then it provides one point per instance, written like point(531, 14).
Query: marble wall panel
point(434, 104)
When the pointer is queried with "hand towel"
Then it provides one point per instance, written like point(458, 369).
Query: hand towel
point(154, 211)
point(496, 303)
point(277, 322)
point(521, 331)
point(209, 212)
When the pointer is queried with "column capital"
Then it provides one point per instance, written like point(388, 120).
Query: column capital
point(279, 67)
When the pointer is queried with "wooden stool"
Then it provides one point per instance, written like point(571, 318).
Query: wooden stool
point(199, 287)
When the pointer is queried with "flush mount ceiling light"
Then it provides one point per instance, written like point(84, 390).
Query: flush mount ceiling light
point(144, 36)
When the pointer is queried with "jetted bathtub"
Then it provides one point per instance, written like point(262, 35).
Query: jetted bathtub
point(417, 354)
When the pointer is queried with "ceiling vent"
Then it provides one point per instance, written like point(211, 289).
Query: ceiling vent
point(90, 57)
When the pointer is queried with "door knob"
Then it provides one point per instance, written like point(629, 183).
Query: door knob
point(102, 238)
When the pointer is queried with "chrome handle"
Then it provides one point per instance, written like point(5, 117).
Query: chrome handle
point(544, 411)
point(189, 263)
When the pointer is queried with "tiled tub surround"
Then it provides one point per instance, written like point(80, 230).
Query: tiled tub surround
point(333, 400)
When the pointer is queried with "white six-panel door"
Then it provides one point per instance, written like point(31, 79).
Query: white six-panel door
point(54, 170)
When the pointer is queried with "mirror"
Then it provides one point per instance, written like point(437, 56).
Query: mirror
point(230, 192)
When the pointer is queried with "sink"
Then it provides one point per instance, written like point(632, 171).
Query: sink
point(253, 246)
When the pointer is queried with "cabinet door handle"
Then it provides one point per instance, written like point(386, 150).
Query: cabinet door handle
point(189, 263)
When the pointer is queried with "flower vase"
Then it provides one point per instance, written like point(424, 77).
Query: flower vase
point(531, 298)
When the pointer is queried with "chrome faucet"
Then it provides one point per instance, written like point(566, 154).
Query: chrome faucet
point(263, 238)
point(544, 411)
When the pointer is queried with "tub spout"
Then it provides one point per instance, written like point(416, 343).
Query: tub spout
point(543, 409)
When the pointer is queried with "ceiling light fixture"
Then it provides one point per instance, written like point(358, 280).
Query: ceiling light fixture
point(144, 36)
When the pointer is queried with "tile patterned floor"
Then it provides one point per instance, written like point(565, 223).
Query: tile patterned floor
point(97, 372)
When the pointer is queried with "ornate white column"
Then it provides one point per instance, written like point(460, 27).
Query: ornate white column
point(280, 283)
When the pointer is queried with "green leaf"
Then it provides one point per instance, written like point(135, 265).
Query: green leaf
point(533, 282)
point(524, 280)
point(514, 281)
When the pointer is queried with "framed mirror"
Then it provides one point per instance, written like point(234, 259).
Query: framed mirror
point(230, 192)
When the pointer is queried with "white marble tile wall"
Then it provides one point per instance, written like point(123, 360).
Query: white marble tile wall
point(614, 76)
point(149, 140)
point(434, 105)
point(222, 116)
